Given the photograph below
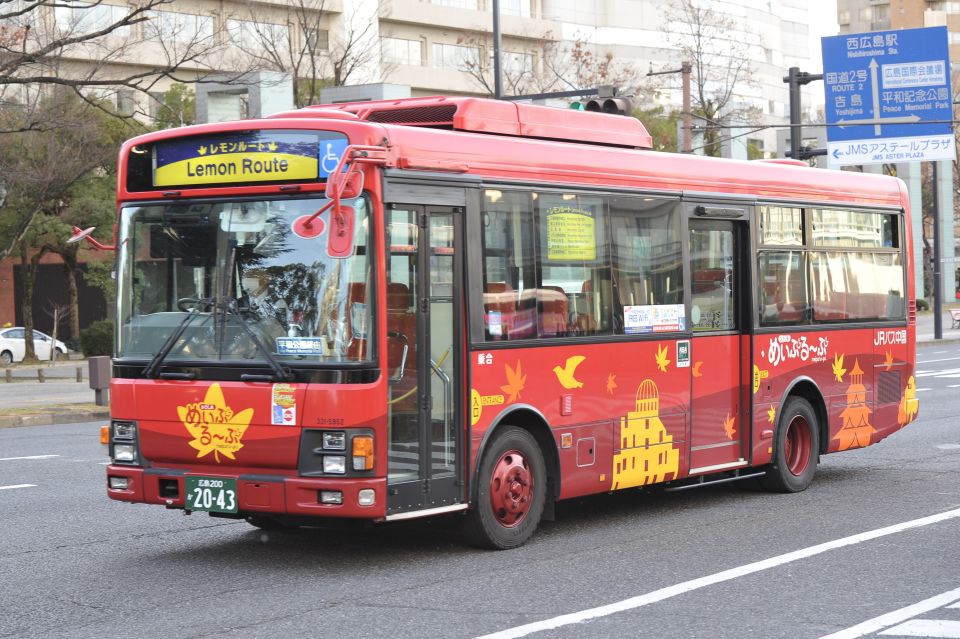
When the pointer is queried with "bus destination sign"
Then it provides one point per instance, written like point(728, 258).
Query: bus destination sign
point(244, 157)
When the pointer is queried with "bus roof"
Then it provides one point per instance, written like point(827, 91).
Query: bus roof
point(505, 141)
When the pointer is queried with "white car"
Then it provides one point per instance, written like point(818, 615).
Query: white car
point(13, 346)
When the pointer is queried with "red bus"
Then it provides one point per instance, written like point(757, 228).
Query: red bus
point(386, 310)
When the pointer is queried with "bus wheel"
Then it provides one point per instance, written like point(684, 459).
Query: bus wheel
point(511, 491)
point(796, 449)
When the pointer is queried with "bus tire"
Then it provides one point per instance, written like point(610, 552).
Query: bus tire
point(511, 491)
point(796, 449)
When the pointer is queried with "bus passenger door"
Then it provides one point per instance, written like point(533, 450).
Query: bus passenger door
point(719, 401)
point(423, 346)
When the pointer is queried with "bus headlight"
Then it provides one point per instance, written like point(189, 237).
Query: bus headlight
point(126, 453)
point(335, 464)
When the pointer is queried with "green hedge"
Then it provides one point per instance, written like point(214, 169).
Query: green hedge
point(97, 339)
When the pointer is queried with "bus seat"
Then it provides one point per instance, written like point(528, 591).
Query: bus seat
point(552, 303)
point(499, 297)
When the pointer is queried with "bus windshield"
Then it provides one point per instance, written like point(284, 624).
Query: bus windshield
point(243, 275)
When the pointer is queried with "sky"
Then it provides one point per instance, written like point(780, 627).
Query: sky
point(823, 16)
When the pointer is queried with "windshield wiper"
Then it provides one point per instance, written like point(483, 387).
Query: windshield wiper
point(168, 345)
point(280, 372)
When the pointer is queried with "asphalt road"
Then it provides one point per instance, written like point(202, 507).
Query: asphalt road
point(718, 562)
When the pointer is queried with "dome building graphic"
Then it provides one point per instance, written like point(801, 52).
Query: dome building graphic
point(647, 454)
point(856, 431)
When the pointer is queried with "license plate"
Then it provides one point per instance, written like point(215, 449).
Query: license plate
point(211, 494)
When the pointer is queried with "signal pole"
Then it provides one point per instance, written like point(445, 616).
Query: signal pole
point(796, 78)
point(686, 69)
point(497, 83)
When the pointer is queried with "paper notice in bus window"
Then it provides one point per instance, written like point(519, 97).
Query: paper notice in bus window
point(494, 323)
point(301, 346)
point(661, 318)
point(571, 234)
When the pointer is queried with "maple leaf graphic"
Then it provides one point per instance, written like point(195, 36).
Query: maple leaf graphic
point(888, 361)
point(696, 369)
point(772, 413)
point(611, 383)
point(214, 426)
point(838, 369)
point(662, 360)
point(516, 381)
point(202, 150)
point(729, 427)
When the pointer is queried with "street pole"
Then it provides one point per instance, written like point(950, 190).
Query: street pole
point(937, 293)
point(796, 78)
point(687, 138)
point(686, 68)
point(497, 84)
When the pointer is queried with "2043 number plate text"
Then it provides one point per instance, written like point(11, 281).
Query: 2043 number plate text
point(211, 494)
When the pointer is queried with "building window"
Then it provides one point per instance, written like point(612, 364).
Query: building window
point(398, 51)
point(515, 63)
point(80, 17)
point(179, 27)
point(258, 36)
point(515, 8)
point(459, 4)
point(843, 17)
point(454, 56)
point(316, 39)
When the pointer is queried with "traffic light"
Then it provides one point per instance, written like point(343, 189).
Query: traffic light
point(575, 105)
point(614, 106)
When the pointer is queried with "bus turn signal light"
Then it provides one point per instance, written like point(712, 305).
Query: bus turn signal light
point(363, 452)
point(105, 434)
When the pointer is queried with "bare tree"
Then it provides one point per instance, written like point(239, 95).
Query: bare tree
point(545, 65)
point(720, 52)
point(95, 48)
point(303, 43)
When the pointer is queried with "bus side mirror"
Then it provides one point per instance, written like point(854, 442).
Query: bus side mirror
point(84, 234)
point(340, 234)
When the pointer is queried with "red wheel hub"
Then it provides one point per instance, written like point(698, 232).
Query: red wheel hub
point(511, 489)
point(797, 445)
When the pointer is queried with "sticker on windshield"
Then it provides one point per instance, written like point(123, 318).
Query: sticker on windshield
point(283, 405)
point(301, 346)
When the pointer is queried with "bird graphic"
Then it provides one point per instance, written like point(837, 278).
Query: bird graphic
point(565, 374)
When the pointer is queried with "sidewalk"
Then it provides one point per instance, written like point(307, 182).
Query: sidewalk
point(59, 399)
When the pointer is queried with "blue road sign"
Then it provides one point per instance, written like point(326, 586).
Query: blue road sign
point(888, 97)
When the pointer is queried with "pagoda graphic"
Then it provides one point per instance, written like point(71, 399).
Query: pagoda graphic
point(856, 431)
point(647, 454)
point(909, 404)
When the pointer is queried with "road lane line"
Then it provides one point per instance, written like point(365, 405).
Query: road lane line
point(28, 457)
point(897, 616)
point(942, 628)
point(726, 575)
point(931, 361)
point(18, 486)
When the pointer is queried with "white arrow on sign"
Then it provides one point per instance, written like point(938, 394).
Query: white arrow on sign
point(900, 119)
point(876, 93)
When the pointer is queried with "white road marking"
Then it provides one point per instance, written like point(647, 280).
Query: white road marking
point(28, 457)
point(897, 616)
point(948, 446)
point(726, 575)
point(920, 390)
point(947, 371)
point(18, 486)
point(931, 361)
point(953, 385)
point(926, 628)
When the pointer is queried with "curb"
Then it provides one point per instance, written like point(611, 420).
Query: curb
point(52, 419)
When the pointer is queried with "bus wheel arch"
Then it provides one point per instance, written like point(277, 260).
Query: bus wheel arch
point(806, 388)
point(797, 439)
point(521, 429)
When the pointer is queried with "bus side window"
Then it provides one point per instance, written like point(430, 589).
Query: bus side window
point(499, 309)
